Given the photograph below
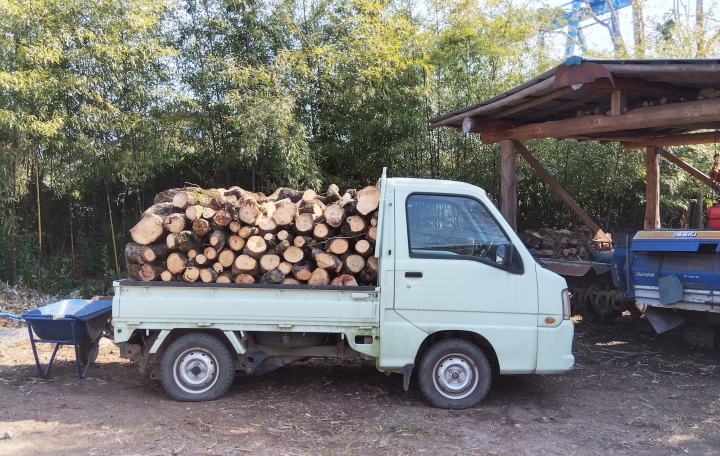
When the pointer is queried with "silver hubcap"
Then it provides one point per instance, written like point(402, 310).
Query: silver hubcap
point(195, 370)
point(455, 376)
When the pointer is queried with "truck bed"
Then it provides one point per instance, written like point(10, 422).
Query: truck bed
point(264, 307)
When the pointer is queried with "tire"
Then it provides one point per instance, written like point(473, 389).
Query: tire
point(454, 374)
point(197, 367)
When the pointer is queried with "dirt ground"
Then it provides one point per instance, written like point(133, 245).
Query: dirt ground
point(630, 394)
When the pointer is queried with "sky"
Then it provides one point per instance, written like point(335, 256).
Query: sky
point(598, 37)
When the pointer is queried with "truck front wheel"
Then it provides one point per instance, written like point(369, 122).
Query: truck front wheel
point(197, 367)
point(454, 374)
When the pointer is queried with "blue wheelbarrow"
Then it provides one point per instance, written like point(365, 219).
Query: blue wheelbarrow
point(74, 322)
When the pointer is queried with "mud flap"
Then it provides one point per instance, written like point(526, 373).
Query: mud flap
point(407, 372)
point(663, 319)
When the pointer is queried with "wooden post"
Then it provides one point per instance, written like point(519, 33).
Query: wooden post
point(508, 190)
point(652, 192)
point(555, 185)
point(618, 101)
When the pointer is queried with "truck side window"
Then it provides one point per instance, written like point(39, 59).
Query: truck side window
point(453, 225)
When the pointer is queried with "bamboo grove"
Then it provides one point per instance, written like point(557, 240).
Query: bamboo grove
point(104, 104)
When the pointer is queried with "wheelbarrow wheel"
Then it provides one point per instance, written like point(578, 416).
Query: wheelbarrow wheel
point(197, 367)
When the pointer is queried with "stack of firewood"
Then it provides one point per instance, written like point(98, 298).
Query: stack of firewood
point(232, 235)
point(563, 244)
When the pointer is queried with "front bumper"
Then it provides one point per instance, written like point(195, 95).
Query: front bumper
point(555, 349)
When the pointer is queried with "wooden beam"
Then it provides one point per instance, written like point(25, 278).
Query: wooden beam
point(534, 102)
point(687, 113)
point(659, 89)
point(542, 85)
point(652, 189)
point(676, 140)
point(508, 179)
point(618, 102)
point(565, 106)
point(702, 177)
point(555, 185)
point(486, 124)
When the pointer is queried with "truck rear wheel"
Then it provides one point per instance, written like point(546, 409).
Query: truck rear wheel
point(454, 374)
point(197, 367)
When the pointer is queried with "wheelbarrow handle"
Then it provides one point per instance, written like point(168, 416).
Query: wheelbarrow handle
point(11, 316)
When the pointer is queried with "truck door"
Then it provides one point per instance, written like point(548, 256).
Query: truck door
point(450, 275)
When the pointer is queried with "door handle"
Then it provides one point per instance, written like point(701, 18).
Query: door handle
point(413, 274)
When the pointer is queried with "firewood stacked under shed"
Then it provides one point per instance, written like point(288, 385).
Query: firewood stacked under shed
point(232, 235)
point(561, 244)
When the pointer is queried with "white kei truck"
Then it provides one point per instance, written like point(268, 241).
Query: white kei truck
point(458, 299)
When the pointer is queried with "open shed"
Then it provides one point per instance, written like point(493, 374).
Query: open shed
point(644, 104)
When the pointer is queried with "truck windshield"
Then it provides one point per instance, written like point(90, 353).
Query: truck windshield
point(441, 224)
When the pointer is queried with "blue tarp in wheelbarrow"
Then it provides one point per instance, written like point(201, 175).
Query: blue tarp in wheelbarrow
point(74, 322)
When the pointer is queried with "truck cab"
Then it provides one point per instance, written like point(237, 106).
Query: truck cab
point(458, 299)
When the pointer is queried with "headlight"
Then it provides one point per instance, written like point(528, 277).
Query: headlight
point(566, 304)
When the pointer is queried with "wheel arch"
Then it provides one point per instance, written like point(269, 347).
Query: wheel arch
point(155, 358)
point(470, 336)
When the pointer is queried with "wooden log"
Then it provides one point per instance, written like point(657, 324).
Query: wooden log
point(150, 227)
point(304, 224)
point(247, 231)
point(221, 219)
point(133, 270)
point(285, 213)
point(352, 263)
point(244, 278)
point(285, 267)
point(175, 223)
point(191, 274)
point(280, 248)
point(208, 275)
point(134, 253)
point(177, 262)
point(255, 247)
point(284, 235)
point(269, 262)
point(326, 260)
point(183, 241)
point(208, 213)
point(200, 260)
point(183, 200)
point(266, 226)
point(244, 264)
point(234, 226)
point(332, 194)
point(367, 200)
point(308, 195)
point(293, 254)
point(218, 267)
point(291, 281)
point(192, 253)
point(348, 203)
point(374, 219)
point(302, 270)
point(334, 215)
point(272, 276)
point(302, 241)
point(289, 193)
point(194, 212)
point(319, 277)
point(372, 234)
point(314, 207)
point(267, 209)
point(217, 239)
point(167, 276)
point(321, 232)
point(652, 189)
point(270, 240)
point(354, 226)
point(345, 280)
point(155, 252)
point(226, 258)
point(211, 253)
point(368, 276)
point(338, 246)
point(236, 243)
point(200, 226)
point(363, 248)
point(225, 277)
point(249, 212)
point(148, 272)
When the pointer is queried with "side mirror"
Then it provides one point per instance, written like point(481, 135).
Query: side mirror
point(509, 254)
